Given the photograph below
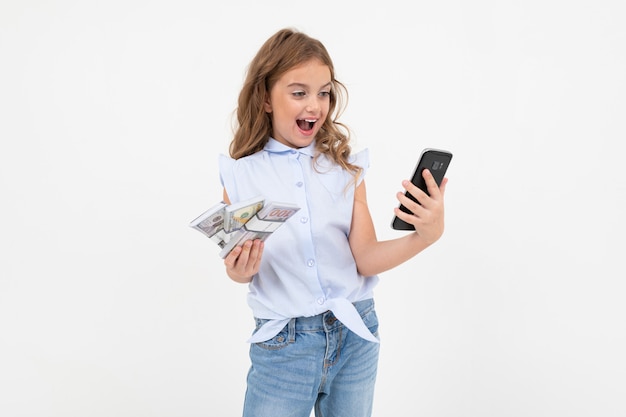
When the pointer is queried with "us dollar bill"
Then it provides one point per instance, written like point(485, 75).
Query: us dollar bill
point(236, 215)
point(277, 212)
point(265, 222)
point(211, 222)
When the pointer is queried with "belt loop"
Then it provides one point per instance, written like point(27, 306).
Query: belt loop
point(291, 329)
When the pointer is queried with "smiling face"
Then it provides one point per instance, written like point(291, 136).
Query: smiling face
point(299, 102)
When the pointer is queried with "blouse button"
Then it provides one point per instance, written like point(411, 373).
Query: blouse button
point(304, 219)
point(299, 184)
point(320, 300)
point(310, 262)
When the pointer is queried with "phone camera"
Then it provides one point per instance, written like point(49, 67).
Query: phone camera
point(436, 165)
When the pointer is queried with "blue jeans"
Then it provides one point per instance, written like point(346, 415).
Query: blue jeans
point(314, 363)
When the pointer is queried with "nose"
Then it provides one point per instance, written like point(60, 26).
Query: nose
point(312, 105)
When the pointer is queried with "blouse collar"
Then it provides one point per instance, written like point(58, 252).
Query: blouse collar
point(275, 146)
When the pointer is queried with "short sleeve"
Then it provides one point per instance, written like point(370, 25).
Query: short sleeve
point(362, 160)
point(227, 177)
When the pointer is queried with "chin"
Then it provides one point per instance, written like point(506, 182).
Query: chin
point(305, 143)
point(302, 141)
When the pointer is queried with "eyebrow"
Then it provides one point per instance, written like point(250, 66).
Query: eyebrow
point(296, 84)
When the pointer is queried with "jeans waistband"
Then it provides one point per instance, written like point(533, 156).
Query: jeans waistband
point(327, 319)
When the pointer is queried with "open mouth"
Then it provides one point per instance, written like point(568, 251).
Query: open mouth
point(306, 124)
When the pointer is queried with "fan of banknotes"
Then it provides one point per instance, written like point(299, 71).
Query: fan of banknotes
point(231, 225)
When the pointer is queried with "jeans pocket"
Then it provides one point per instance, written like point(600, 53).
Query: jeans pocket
point(371, 321)
point(277, 342)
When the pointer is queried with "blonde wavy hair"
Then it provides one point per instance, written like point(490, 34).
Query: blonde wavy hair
point(283, 51)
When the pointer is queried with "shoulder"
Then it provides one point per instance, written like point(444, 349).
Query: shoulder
point(361, 158)
point(226, 162)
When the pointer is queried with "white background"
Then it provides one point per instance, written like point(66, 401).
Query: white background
point(113, 114)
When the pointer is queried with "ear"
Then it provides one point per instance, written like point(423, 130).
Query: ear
point(267, 106)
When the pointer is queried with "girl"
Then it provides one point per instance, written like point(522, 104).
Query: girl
point(315, 345)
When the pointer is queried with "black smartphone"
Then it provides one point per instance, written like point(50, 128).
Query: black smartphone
point(435, 160)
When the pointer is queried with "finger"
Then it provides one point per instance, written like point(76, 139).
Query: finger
point(255, 253)
point(231, 258)
point(414, 190)
point(238, 257)
point(407, 202)
point(407, 217)
point(442, 187)
point(245, 253)
point(419, 194)
point(413, 219)
point(417, 212)
point(431, 184)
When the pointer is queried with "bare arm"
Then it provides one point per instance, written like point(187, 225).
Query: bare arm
point(243, 261)
point(373, 257)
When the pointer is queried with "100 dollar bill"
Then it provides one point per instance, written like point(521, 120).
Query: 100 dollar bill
point(236, 215)
point(265, 222)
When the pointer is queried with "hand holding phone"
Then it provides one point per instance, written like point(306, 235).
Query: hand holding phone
point(436, 161)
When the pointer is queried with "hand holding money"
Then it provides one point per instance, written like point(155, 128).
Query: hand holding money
point(229, 226)
point(244, 261)
point(265, 222)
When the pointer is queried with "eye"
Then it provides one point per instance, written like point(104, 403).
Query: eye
point(298, 94)
point(324, 93)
